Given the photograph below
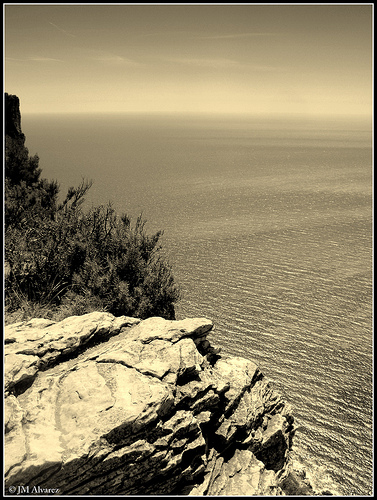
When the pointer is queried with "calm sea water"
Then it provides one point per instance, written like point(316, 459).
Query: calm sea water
point(268, 227)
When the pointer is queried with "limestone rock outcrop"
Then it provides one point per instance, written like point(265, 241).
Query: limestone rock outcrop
point(118, 406)
point(14, 137)
point(12, 117)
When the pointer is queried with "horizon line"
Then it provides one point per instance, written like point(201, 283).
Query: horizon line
point(259, 114)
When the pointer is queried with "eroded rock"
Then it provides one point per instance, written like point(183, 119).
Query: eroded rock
point(39, 343)
point(154, 410)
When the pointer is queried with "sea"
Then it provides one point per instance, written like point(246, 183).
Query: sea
point(268, 228)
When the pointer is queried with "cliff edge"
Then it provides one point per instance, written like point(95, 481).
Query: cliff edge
point(105, 405)
point(14, 138)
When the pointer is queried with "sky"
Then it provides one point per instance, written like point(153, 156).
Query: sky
point(284, 59)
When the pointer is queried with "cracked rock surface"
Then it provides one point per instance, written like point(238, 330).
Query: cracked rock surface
point(105, 405)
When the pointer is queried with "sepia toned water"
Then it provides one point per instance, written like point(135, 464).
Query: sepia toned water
point(268, 227)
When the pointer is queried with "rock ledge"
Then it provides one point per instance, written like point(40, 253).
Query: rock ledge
point(118, 406)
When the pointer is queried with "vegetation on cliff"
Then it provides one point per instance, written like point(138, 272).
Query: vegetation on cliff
point(62, 260)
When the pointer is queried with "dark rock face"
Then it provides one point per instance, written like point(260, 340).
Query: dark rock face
point(14, 138)
point(118, 406)
point(12, 117)
point(18, 165)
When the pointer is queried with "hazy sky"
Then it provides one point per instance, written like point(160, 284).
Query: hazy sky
point(245, 58)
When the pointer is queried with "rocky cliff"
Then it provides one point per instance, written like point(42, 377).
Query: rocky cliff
point(12, 116)
point(105, 405)
point(12, 123)
point(19, 166)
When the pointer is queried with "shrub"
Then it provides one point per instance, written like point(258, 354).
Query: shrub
point(86, 257)
point(62, 260)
